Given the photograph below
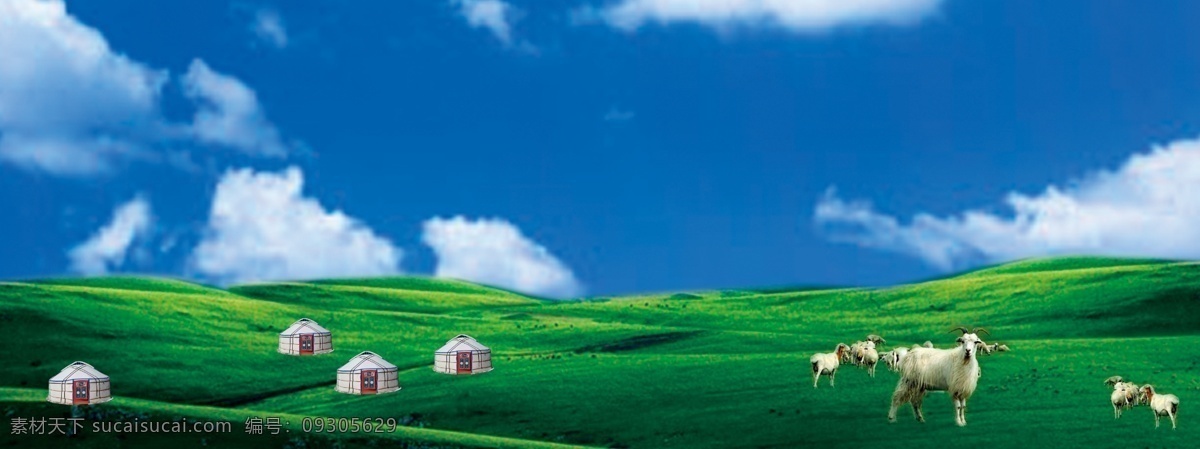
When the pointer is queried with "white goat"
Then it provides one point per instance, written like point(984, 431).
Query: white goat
point(928, 344)
point(1120, 398)
point(827, 363)
point(870, 358)
point(955, 371)
point(892, 358)
point(1161, 404)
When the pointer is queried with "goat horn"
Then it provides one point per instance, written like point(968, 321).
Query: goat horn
point(959, 328)
point(980, 329)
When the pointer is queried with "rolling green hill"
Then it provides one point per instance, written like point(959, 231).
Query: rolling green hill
point(698, 369)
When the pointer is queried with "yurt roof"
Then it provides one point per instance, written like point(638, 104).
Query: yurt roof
point(78, 370)
point(367, 360)
point(304, 326)
point(462, 342)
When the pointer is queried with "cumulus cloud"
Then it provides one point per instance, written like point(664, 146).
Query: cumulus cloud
point(495, 252)
point(106, 249)
point(1148, 207)
point(268, 27)
point(794, 15)
point(229, 113)
point(69, 104)
point(262, 228)
point(494, 15)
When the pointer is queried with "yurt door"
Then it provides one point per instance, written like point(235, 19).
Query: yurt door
point(368, 381)
point(81, 391)
point(464, 362)
point(306, 343)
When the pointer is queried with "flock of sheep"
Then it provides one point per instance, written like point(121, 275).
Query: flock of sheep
point(1127, 395)
point(923, 369)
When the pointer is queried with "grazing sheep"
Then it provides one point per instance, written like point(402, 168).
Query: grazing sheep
point(870, 358)
point(854, 350)
point(1161, 404)
point(955, 371)
point(1133, 391)
point(864, 355)
point(1135, 394)
point(1120, 398)
point(859, 349)
point(827, 363)
point(994, 347)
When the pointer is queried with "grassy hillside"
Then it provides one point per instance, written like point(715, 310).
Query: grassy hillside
point(386, 294)
point(1062, 264)
point(31, 402)
point(699, 369)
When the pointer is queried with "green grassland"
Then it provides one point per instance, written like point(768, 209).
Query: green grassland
point(694, 369)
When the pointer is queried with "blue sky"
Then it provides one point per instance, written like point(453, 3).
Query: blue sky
point(594, 148)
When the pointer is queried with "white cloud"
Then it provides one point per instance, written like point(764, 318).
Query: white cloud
point(262, 228)
point(795, 15)
point(1149, 207)
point(495, 252)
point(68, 102)
point(268, 27)
point(494, 15)
point(106, 249)
point(72, 106)
point(228, 113)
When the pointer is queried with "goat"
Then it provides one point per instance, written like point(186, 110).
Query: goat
point(870, 358)
point(1161, 404)
point(955, 371)
point(892, 358)
point(827, 363)
point(1120, 399)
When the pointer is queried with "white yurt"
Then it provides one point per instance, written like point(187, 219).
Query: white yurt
point(367, 373)
point(305, 337)
point(462, 355)
point(79, 384)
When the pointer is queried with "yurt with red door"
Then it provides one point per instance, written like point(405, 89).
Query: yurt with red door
point(79, 384)
point(305, 337)
point(462, 355)
point(367, 373)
